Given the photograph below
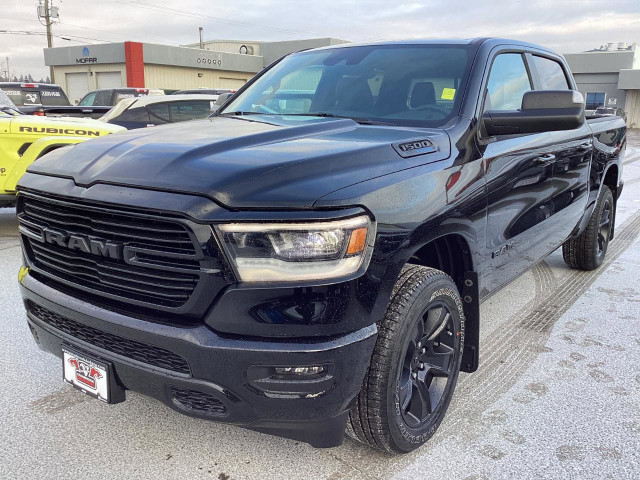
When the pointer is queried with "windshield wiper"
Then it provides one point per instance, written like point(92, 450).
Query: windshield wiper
point(10, 111)
point(362, 121)
point(240, 113)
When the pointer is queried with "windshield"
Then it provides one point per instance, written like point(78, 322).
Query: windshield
point(6, 105)
point(418, 85)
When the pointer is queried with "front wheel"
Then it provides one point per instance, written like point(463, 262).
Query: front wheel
point(415, 364)
point(587, 250)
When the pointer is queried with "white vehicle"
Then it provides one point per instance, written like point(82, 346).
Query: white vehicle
point(148, 111)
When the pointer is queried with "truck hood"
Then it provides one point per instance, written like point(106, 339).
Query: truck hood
point(68, 126)
point(248, 162)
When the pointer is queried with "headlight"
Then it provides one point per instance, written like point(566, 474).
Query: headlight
point(298, 252)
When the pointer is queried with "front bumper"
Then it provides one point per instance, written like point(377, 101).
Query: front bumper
point(232, 372)
point(7, 199)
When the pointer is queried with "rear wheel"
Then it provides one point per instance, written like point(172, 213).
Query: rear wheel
point(587, 251)
point(415, 364)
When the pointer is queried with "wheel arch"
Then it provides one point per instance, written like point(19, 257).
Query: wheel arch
point(611, 179)
point(37, 149)
point(452, 254)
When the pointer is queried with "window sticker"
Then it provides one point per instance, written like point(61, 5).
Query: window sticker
point(448, 93)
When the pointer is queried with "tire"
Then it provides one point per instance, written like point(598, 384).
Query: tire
point(388, 413)
point(587, 250)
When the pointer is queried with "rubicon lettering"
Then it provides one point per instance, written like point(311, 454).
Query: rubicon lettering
point(61, 131)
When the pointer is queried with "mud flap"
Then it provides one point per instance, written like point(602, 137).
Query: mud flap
point(471, 306)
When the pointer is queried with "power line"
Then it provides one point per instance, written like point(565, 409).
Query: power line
point(200, 16)
point(117, 34)
point(132, 37)
point(63, 36)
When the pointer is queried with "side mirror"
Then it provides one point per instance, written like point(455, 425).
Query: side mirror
point(541, 111)
point(223, 97)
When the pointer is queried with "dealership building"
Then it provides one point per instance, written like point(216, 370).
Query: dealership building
point(610, 76)
point(219, 64)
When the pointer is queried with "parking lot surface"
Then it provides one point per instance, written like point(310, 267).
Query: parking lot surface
point(557, 394)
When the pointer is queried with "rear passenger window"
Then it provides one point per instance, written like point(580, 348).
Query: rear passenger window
point(551, 74)
point(508, 82)
point(135, 115)
point(159, 112)
point(190, 110)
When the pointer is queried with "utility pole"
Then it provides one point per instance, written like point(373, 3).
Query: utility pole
point(48, 12)
point(47, 18)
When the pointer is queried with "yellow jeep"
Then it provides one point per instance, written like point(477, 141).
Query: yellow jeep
point(25, 138)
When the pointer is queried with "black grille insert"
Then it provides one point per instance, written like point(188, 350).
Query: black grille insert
point(198, 402)
point(160, 265)
point(149, 354)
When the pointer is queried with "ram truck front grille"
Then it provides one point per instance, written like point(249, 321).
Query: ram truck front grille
point(111, 253)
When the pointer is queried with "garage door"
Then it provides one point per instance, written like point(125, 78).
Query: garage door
point(77, 86)
point(109, 80)
point(231, 83)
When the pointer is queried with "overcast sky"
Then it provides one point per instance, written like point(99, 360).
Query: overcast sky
point(565, 25)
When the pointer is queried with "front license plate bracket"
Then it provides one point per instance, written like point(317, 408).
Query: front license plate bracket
point(91, 375)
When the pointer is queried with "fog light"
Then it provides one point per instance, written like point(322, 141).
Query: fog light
point(299, 371)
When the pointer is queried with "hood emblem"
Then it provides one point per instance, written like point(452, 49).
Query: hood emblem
point(414, 148)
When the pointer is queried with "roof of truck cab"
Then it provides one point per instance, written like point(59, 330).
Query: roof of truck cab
point(440, 41)
point(35, 84)
point(150, 99)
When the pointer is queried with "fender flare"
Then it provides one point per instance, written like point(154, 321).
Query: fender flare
point(582, 224)
point(37, 149)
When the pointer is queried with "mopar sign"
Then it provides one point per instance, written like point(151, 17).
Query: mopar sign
point(86, 57)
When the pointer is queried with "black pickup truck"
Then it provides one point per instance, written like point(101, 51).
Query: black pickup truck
point(315, 263)
point(47, 99)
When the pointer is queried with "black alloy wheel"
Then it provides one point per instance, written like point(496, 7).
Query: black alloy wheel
point(604, 231)
point(415, 363)
point(428, 363)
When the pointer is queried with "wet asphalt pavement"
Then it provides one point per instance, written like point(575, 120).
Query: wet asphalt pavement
point(557, 395)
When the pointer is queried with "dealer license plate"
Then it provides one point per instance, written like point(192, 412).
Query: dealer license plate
point(86, 374)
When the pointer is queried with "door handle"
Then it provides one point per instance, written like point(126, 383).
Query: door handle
point(584, 147)
point(544, 159)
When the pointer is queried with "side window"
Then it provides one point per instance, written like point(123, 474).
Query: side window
point(88, 100)
point(182, 111)
point(595, 100)
point(551, 74)
point(508, 82)
point(135, 115)
point(103, 98)
point(159, 113)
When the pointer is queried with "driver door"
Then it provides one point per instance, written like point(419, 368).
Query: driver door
point(519, 176)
